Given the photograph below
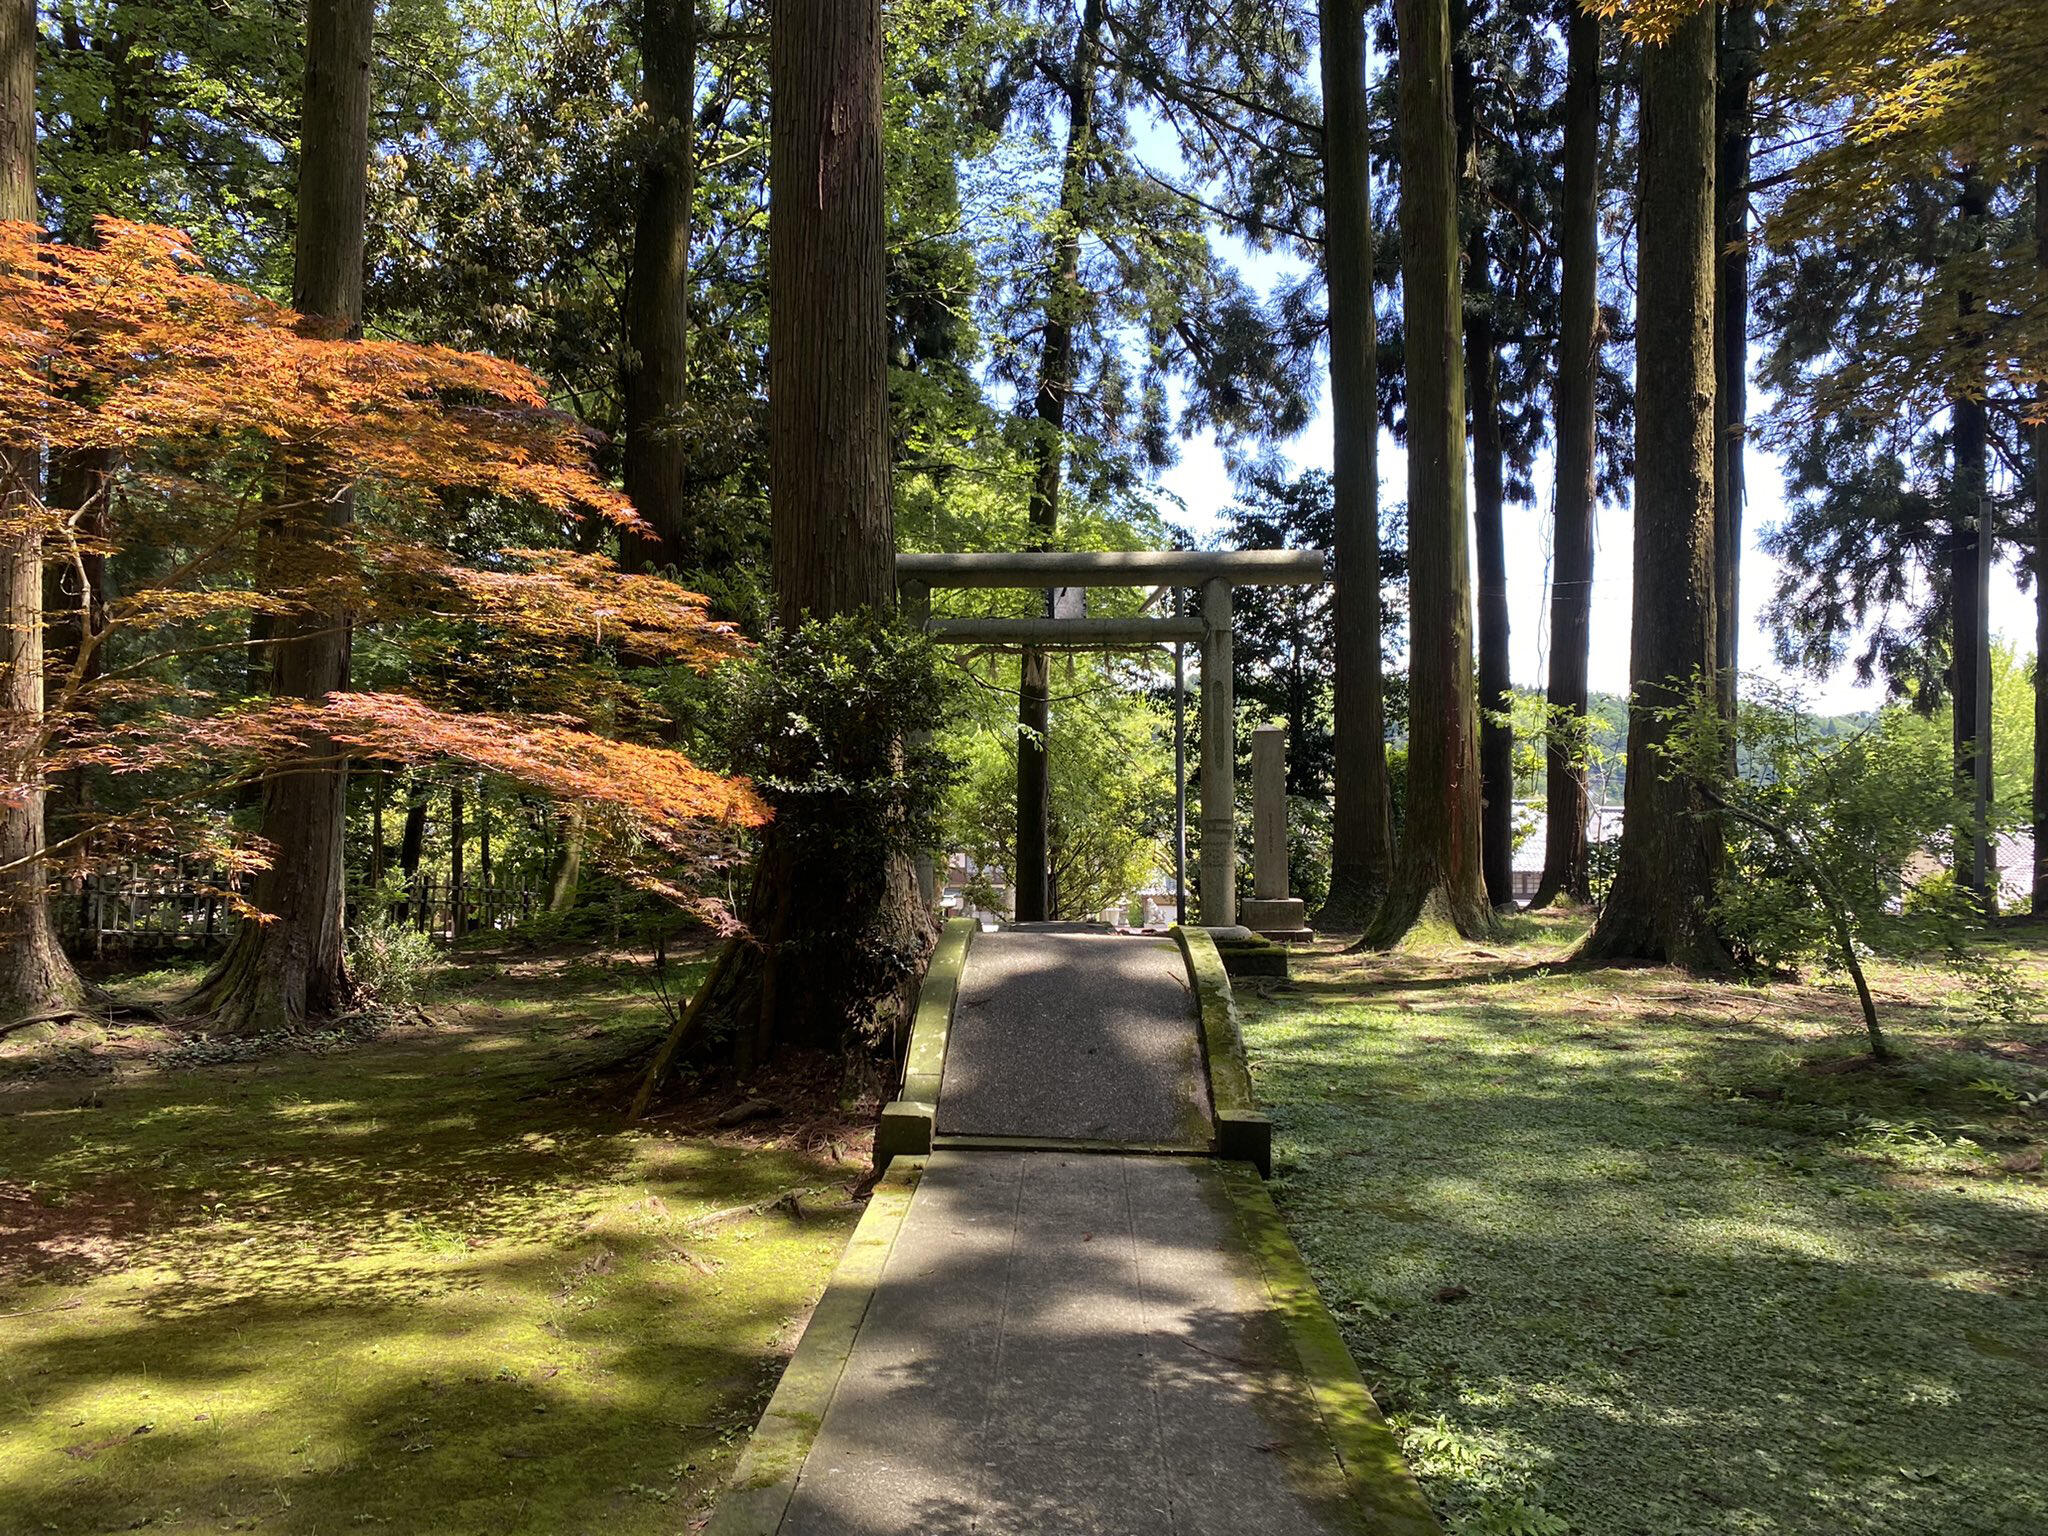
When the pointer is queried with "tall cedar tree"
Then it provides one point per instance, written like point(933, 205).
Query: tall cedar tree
point(35, 976)
point(2040, 904)
point(655, 363)
point(1437, 875)
point(833, 528)
point(1361, 833)
point(1970, 551)
point(1734, 133)
point(1899, 225)
point(282, 972)
point(1064, 298)
point(1565, 871)
point(1489, 490)
point(1661, 906)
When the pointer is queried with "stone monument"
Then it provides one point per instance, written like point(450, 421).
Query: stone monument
point(1271, 912)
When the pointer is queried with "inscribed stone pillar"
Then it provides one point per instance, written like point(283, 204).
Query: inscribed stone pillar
point(1271, 911)
point(1269, 813)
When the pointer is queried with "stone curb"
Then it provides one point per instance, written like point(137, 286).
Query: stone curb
point(1243, 1134)
point(905, 1129)
point(763, 1482)
point(1380, 1482)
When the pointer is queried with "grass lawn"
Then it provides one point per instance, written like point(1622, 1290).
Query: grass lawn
point(420, 1282)
point(1625, 1254)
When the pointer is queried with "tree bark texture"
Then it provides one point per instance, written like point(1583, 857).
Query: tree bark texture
point(1437, 875)
point(836, 940)
point(1361, 833)
point(1571, 583)
point(458, 881)
point(1482, 390)
point(2040, 807)
point(1734, 130)
point(828, 379)
point(281, 973)
point(1661, 905)
point(1064, 301)
point(412, 843)
point(35, 976)
point(655, 383)
point(1970, 554)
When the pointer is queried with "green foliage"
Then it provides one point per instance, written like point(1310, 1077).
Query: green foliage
point(1599, 741)
point(1308, 849)
point(1283, 644)
point(1867, 811)
point(1110, 761)
point(391, 963)
point(832, 721)
point(2012, 731)
point(1603, 860)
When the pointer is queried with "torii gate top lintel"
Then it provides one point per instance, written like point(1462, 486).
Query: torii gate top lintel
point(1215, 572)
point(1117, 568)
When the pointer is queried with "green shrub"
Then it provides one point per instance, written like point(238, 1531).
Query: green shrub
point(1870, 811)
point(832, 721)
point(391, 963)
point(1831, 838)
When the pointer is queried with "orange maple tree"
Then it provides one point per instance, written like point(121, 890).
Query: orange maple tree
point(229, 415)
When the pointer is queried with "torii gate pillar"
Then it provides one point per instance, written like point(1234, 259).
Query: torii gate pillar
point(1215, 572)
point(1218, 895)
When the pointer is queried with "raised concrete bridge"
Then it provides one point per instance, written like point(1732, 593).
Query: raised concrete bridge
point(1071, 1306)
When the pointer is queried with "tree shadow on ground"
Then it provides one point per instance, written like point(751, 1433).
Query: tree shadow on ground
point(1690, 1284)
point(428, 1283)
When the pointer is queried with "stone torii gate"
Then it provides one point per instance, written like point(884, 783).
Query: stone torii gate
point(1213, 572)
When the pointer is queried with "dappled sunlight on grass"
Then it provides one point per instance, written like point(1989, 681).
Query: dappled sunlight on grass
point(426, 1283)
point(1659, 1256)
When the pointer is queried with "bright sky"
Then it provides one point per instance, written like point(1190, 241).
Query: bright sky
point(1203, 483)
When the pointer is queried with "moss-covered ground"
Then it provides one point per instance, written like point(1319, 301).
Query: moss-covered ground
point(420, 1282)
point(1625, 1253)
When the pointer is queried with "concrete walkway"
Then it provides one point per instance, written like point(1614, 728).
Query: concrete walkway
point(1069, 1343)
point(1069, 1339)
point(1073, 1034)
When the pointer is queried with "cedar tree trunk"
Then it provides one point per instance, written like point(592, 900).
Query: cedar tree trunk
point(1734, 128)
point(1482, 380)
point(656, 382)
point(35, 976)
point(1064, 302)
point(2040, 905)
point(1662, 901)
point(1970, 553)
point(458, 882)
point(835, 945)
point(1578, 361)
point(281, 973)
point(1361, 834)
point(1437, 875)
